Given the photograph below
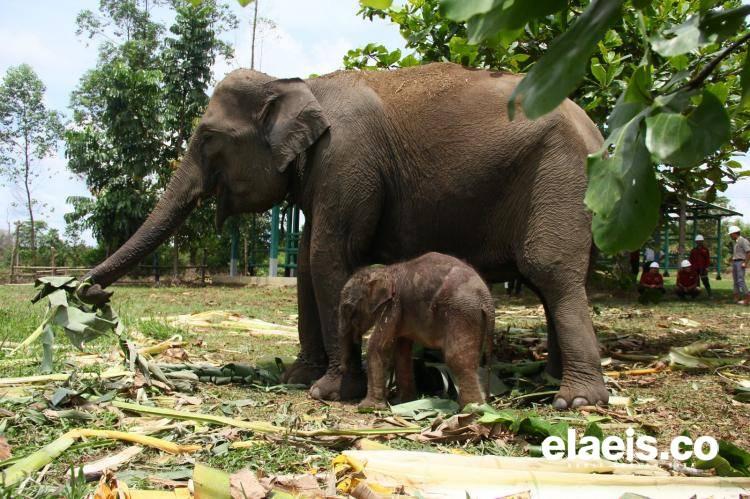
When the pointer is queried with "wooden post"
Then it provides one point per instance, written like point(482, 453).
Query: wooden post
point(234, 248)
point(14, 258)
point(52, 258)
point(203, 268)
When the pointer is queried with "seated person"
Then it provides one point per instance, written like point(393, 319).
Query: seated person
point(687, 281)
point(651, 286)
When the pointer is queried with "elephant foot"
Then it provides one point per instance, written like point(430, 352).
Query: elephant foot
point(336, 385)
point(576, 393)
point(372, 404)
point(303, 373)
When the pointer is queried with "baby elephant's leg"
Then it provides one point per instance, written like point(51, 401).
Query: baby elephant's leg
point(407, 390)
point(379, 363)
point(462, 349)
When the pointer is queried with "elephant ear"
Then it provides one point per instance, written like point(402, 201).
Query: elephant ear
point(292, 120)
point(381, 290)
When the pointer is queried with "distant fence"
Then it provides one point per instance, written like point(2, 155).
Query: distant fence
point(141, 274)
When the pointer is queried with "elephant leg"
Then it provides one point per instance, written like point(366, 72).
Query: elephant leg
point(553, 253)
point(312, 360)
point(462, 350)
point(407, 390)
point(339, 382)
point(380, 354)
point(582, 382)
point(554, 359)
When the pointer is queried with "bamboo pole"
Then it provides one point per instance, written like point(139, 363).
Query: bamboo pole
point(46, 378)
point(44, 456)
point(37, 460)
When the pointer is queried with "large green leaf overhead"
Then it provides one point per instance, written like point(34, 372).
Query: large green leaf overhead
point(685, 141)
point(623, 193)
point(559, 71)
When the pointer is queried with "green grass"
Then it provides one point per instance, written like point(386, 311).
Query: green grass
point(699, 403)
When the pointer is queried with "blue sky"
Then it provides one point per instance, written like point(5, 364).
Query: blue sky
point(311, 37)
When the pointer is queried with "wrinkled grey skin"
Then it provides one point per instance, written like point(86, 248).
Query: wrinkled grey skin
point(435, 300)
point(386, 166)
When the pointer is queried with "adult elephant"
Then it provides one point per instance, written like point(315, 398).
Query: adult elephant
point(386, 166)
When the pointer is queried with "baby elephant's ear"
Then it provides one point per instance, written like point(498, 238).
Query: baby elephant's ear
point(382, 290)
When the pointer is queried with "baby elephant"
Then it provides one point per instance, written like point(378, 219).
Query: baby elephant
point(436, 300)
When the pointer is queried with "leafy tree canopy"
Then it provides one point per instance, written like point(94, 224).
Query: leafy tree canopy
point(29, 132)
point(134, 113)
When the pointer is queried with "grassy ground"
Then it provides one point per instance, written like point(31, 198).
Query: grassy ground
point(668, 402)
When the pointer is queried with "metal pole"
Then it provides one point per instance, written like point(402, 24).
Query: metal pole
point(288, 241)
point(253, 235)
point(718, 249)
point(273, 261)
point(295, 228)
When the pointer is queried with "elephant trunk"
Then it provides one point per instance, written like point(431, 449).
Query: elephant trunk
point(179, 199)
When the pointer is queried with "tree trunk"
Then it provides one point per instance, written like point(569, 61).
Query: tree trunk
point(27, 167)
point(244, 259)
point(14, 257)
point(193, 252)
point(683, 223)
point(252, 45)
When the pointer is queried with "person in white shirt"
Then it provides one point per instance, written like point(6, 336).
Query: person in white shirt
point(740, 258)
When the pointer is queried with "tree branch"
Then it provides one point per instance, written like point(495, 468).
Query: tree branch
point(698, 79)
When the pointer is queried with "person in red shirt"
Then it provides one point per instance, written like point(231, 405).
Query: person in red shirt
point(700, 260)
point(651, 286)
point(687, 281)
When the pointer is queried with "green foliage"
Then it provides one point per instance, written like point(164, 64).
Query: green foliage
point(116, 140)
point(80, 322)
point(731, 461)
point(680, 66)
point(135, 112)
point(29, 132)
point(425, 408)
point(684, 140)
point(559, 71)
point(611, 177)
point(376, 4)
point(374, 56)
point(51, 246)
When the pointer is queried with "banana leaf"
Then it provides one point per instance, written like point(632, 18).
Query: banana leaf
point(425, 408)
